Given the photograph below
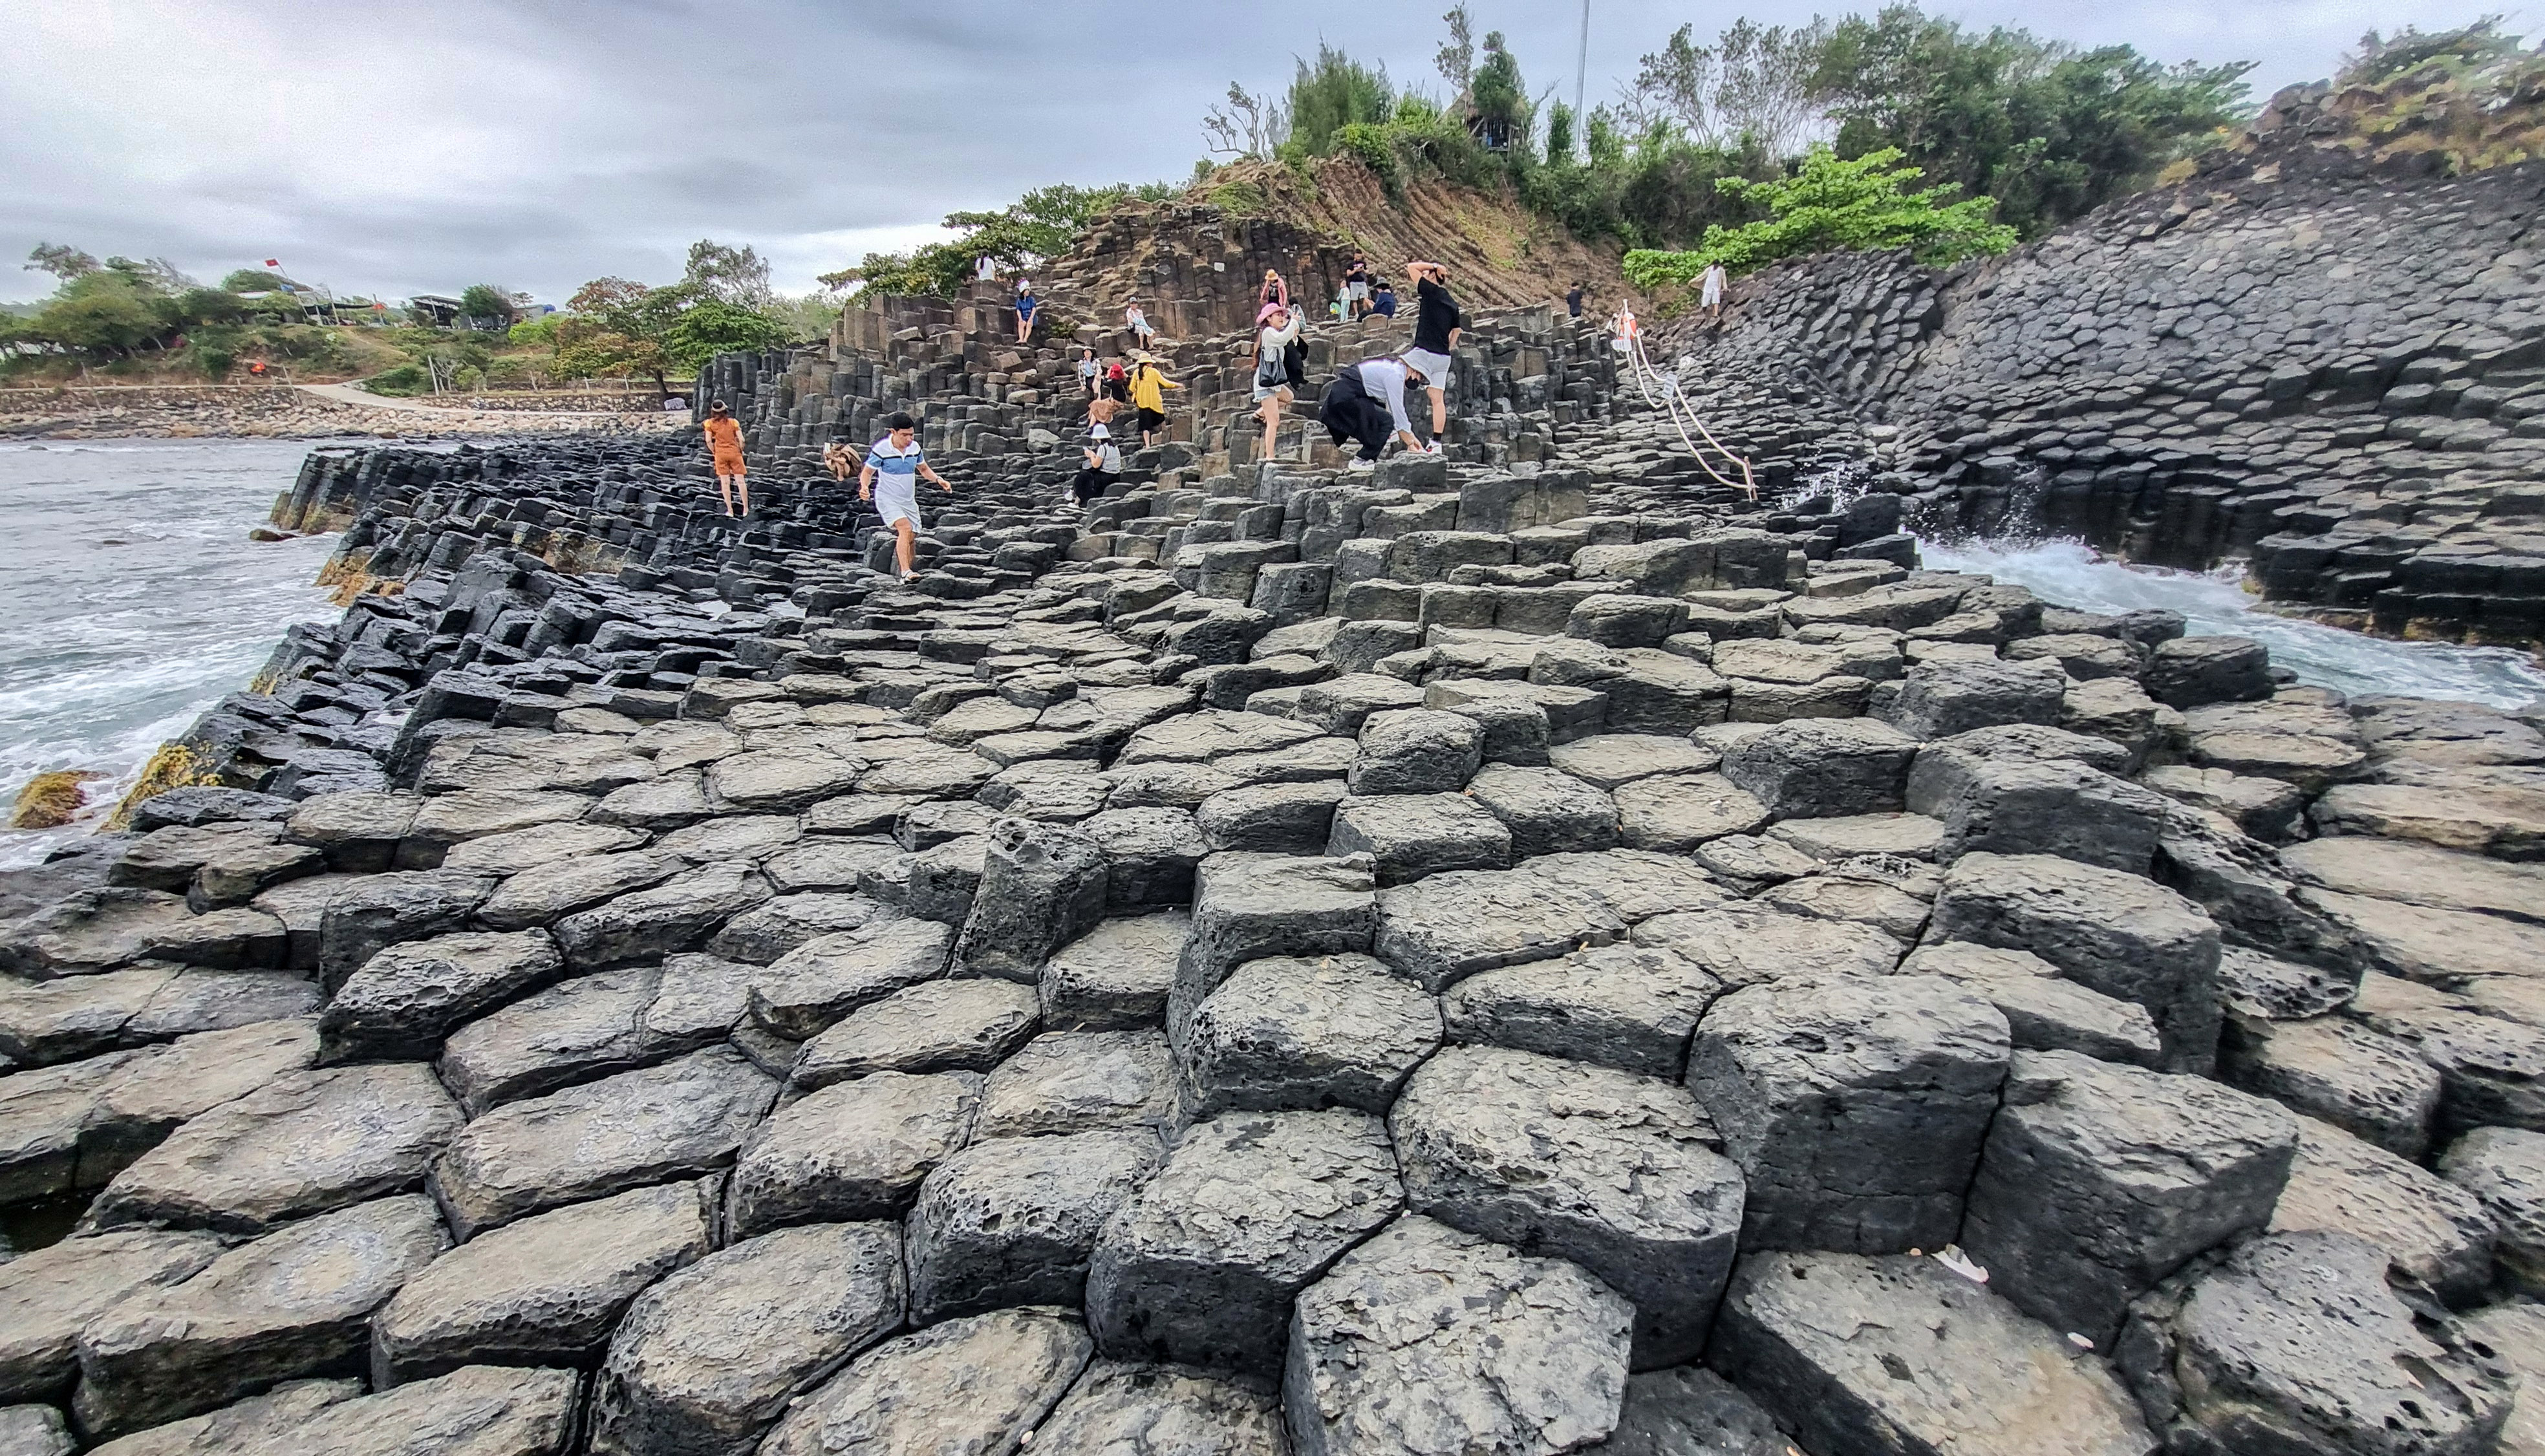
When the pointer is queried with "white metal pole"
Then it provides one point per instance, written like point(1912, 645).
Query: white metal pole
point(1582, 70)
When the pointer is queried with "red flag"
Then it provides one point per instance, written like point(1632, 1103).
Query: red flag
point(274, 263)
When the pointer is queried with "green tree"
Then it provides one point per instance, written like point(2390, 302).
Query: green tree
point(61, 260)
point(252, 281)
point(211, 306)
point(1331, 95)
point(2471, 46)
point(2048, 130)
point(1499, 110)
point(103, 313)
point(1043, 224)
point(1833, 202)
point(736, 275)
point(706, 327)
point(617, 326)
point(485, 300)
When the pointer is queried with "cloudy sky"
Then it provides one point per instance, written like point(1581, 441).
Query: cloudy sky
point(420, 147)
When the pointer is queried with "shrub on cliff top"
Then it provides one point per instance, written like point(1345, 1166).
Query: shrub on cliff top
point(1833, 202)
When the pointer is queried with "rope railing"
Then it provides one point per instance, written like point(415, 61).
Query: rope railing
point(1628, 338)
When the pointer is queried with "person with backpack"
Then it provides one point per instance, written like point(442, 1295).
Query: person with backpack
point(1280, 361)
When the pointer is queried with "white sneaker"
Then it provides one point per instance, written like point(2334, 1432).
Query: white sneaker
point(1431, 448)
point(1360, 466)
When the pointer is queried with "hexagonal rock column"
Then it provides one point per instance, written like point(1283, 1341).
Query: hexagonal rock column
point(2120, 934)
point(1012, 1221)
point(1290, 1031)
point(1250, 906)
point(2003, 797)
point(2307, 1342)
point(706, 1358)
point(1041, 886)
point(1855, 1105)
point(1823, 767)
point(299, 1145)
point(1427, 1338)
point(297, 1301)
point(1201, 1265)
point(1615, 1171)
point(1127, 1410)
point(1900, 1354)
point(545, 1290)
point(2100, 1180)
point(978, 1384)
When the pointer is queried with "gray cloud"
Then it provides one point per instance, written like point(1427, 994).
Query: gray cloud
point(421, 148)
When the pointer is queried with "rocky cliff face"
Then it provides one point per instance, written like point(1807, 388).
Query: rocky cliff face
point(2331, 367)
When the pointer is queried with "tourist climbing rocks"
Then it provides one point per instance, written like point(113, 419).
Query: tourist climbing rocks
point(1142, 336)
point(1149, 384)
point(724, 452)
point(1573, 298)
point(890, 479)
point(1088, 371)
point(1117, 384)
point(1103, 455)
point(1026, 304)
point(837, 460)
point(1357, 286)
point(1279, 362)
point(1435, 333)
point(1275, 289)
point(1710, 289)
point(1366, 402)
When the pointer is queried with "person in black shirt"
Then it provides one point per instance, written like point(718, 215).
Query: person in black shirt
point(1357, 286)
point(1435, 333)
point(1573, 299)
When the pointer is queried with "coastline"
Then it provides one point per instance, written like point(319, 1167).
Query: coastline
point(288, 412)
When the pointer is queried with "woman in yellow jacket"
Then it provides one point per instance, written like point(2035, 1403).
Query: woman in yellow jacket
point(1148, 396)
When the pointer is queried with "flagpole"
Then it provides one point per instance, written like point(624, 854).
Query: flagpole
point(1582, 68)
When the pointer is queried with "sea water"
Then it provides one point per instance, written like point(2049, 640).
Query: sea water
point(131, 600)
point(2077, 576)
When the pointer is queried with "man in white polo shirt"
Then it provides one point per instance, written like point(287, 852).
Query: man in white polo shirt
point(890, 479)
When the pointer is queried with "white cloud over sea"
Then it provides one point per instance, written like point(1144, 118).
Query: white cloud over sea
point(535, 143)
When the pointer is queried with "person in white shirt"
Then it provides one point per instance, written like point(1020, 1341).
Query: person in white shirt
point(1366, 402)
point(890, 479)
point(1711, 286)
point(1103, 455)
point(1274, 385)
point(1138, 323)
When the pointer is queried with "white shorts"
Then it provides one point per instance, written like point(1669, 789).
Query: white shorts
point(1434, 367)
point(898, 501)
